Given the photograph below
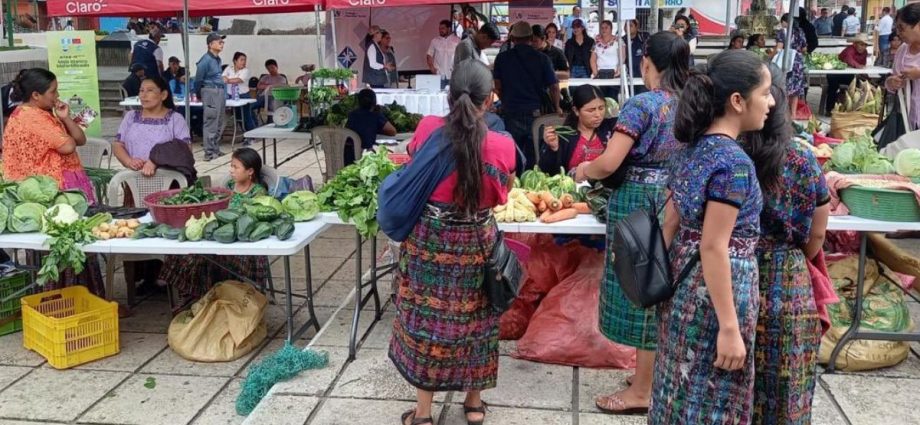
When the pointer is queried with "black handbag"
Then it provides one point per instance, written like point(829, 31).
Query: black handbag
point(641, 261)
point(502, 274)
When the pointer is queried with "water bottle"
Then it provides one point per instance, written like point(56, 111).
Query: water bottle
point(235, 90)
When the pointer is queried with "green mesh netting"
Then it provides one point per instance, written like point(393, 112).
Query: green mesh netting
point(284, 364)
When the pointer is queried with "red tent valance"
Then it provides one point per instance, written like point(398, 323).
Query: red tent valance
point(346, 4)
point(162, 8)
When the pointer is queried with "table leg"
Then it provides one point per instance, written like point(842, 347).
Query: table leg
point(264, 158)
point(275, 151)
point(289, 304)
point(353, 338)
point(309, 268)
point(377, 311)
point(857, 310)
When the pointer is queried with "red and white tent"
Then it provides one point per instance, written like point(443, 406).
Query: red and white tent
point(163, 8)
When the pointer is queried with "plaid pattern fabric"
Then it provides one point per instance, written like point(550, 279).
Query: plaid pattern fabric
point(787, 341)
point(620, 320)
point(445, 336)
point(193, 275)
point(687, 387)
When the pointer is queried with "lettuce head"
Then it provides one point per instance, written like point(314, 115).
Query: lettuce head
point(907, 163)
point(302, 205)
point(38, 189)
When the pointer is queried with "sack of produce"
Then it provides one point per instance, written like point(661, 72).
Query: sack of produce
point(564, 329)
point(884, 309)
point(845, 125)
point(858, 112)
point(224, 325)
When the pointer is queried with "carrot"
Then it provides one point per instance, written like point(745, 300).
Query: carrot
point(533, 197)
point(545, 215)
point(582, 207)
point(542, 206)
point(564, 214)
point(551, 201)
point(567, 200)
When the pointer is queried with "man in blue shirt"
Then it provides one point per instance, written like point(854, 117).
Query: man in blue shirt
point(567, 24)
point(148, 54)
point(824, 26)
point(522, 77)
point(213, 95)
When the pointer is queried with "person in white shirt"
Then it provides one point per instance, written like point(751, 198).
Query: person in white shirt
point(236, 78)
point(606, 57)
point(851, 24)
point(441, 51)
point(882, 35)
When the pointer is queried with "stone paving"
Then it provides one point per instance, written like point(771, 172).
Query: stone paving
point(367, 390)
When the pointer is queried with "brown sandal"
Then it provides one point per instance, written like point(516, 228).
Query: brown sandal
point(415, 421)
point(480, 409)
point(614, 405)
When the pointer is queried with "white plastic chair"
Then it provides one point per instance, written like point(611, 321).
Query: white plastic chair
point(93, 152)
point(537, 132)
point(333, 140)
point(140, 187)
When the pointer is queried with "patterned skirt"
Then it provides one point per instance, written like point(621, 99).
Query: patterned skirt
point(91, 276)
point(193, 275)
point(687, 387)
point(619, 319)
point(788, 337)
point(445, 336)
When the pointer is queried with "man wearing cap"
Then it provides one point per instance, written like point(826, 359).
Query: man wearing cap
point(132, 84)
point(175, 72)
point(556, 55)
point(374, 72)
point(148, 54)
point(472, 46)
point(855, 56)
point(522, 77)
point(212, 92)
point(441, 51)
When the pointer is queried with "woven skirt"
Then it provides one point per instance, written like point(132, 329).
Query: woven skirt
point(687, 387)
point(620, 320)
point(193, 275)
point(445, 336)
point(788, 337)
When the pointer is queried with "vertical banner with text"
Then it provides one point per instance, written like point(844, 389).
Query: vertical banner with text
point(72, 58)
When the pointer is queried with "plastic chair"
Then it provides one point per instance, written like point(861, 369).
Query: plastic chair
point(269, 175)
point(140, 187)
point(334, 141)
point(537, 130)
point(92, 153)
point(124, 95)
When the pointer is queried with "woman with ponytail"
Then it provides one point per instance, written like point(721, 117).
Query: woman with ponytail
point(792, 226)
point(445, 336)
point(704, 367)
point(638, 155)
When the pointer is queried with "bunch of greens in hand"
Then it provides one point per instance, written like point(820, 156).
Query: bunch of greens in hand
point(353, 191)
point(69, 232)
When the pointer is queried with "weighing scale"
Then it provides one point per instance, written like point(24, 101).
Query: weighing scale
point(286, 115)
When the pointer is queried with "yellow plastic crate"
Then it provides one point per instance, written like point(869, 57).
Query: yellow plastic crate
point(69, 326)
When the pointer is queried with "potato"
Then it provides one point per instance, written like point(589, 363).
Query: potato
point(129, 233)
point(134, 223)
point(104, 227)
point(120, 233)
point(104, 236)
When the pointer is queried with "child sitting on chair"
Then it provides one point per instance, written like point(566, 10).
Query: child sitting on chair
point(307, 75)
point(194, 275)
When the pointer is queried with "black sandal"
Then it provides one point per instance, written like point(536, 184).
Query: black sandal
point(481, 409)
point(415, 421)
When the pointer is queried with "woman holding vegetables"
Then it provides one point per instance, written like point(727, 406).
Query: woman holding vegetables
point(445, 336)
point(194, 275)
point(585, 136)
point(41, 139)
point(638, 155)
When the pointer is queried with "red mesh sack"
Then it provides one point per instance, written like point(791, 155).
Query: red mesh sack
point(564, 329)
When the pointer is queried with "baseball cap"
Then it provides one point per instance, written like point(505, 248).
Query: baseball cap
point(490, 30)
point(521, 29)
point(212, 37)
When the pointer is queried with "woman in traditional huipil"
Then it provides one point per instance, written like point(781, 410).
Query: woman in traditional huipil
point(639, 156)
point(445, 336)
point(704, 367)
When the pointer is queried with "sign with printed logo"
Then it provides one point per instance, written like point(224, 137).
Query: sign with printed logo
point(72, 58)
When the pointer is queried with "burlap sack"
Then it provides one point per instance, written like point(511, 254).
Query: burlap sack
point(222, 326)
point(848, 124)
point(884, 309)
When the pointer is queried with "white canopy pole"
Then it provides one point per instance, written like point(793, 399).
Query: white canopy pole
point(787, 49)
point(320, 46)
point(335, 48)
point(188, 65)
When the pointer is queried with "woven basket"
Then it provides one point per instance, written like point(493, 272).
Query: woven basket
point(177, 215)
point(881, 204)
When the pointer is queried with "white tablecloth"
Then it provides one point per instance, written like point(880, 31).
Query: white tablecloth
point(416, 102)
point(231, 103)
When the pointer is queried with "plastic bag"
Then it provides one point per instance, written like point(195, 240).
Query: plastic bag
point(884, 309)
point(564, 329)
point(547, 266)
point(224, 325)
point(848, 124)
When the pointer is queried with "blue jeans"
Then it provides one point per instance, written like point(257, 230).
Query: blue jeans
point(249, 113)
point(580, 71)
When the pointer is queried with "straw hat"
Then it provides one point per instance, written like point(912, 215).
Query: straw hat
point(860, 38)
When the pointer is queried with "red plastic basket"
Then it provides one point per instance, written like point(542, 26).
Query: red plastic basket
point(819, 139)
point(399, 158)
point(177, 215)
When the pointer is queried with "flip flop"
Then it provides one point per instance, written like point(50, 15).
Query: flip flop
point(606, 407)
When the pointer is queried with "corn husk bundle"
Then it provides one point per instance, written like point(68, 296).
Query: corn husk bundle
point(861, 96)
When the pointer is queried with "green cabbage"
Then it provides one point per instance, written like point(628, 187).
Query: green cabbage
point(38, 189)
point(27, 218)
point(74, 198)
point(842, 158)
point(4, 217)
point(302, 205)
point(878, 166)
point(907, 163)
point(268, 201)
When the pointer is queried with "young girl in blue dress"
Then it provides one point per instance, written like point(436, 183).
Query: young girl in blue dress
point(704, 366)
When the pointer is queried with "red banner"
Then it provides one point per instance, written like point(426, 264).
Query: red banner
point(158, 8)
point(345, 4)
